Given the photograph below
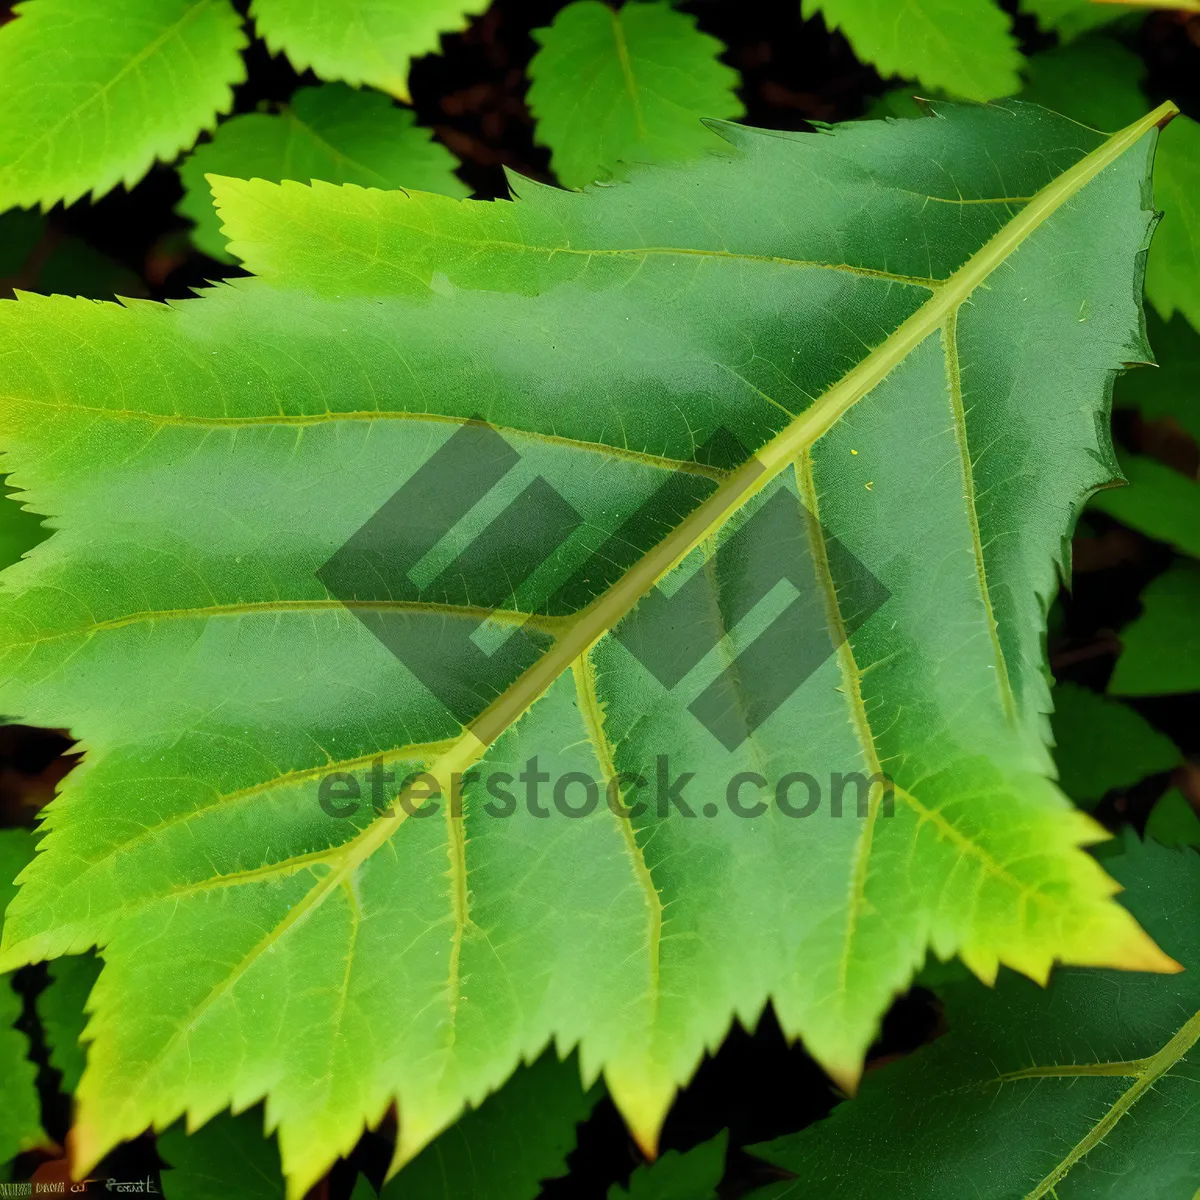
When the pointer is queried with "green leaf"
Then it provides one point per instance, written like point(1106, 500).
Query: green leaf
point(20, 529)
point(1173, 390)
point(1173, 270)
point(631, 85)
point(1096, 81)
point(875, 347)
point(502, 1150)
point(60, 1007)
point(1098, 1095)
point(961, 47)
point(20, 1112)
point(1070, 18)
point(1161, 648)
point(230, 1156)
point(690, 1175)
point(1173, 821)
point(332, 133)
point(93, 91)
point(1103, 744)
point(361, 41)
point(1159, 502)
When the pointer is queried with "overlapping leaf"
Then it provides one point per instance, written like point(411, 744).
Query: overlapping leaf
point(961, 47)
point(1160, 653)
point(1102, 744)
point(361, 41)
point(20, 1108)
point(1098, 1098)
point(819, 299)
point(93, 91)
point(630, 85)
point(332, 133)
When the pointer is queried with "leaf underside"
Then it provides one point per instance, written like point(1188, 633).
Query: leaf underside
point(919, 353)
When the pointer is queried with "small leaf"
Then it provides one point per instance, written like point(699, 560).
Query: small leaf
point(230, 1156)
point(1161, 654)
point(60, 1007)
point(961, 47)
point(93, 91)
point(1173, 271)
point(1087, 1090)
point(629, 85)
point(1173, 389)
point(690, 1175)
point(504, 1149)
point(20, 529)
point(361, 41)
point(1158, 501)
point(1173, 821)
point(20, 1107)
point(1102, 744)
point(333, 133)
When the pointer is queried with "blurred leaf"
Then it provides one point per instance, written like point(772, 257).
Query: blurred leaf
point(1173, 389)
point(20, 1108)
point(93, 91)
point(502, 1150)
point(1087, 1090)
point(1070, 18)
point(60, 1010)
point(1103, 744)
point(1162, 646)
point(1159, 502)
point(332, 133)
point(1173, 270)
point(1095, 80)
point(230, 1156)
point(626, 86)
point(360, 41)
point(962, 47)
point(1173, 821)
point(20, 232)
point(20, 530)
point(691, 1175)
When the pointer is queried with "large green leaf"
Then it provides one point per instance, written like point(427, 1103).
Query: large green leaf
point(961, 47)
point(1070, 18)
point(1087, 1091)
point(332, 133)
point(20, 529)
point(20, 1108)
point(613, 87)
point(1161, 648)
point(93, 91)
point(902, 350)
point(1173, 821)
point(1102, 744)
point(361, 41)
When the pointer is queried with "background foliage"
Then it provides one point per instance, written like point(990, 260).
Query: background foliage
point(115, 111)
